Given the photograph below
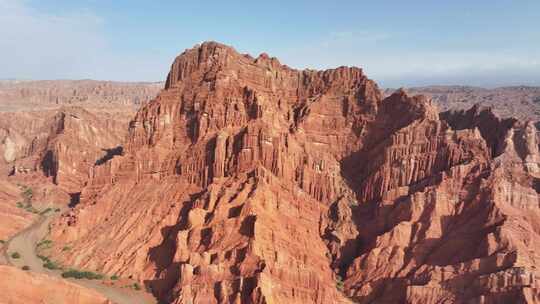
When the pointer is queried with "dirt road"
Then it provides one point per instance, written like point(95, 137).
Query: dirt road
point(25, 242)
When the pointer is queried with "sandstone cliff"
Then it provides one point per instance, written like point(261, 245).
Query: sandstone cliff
point(60, 145)
point(246, 181)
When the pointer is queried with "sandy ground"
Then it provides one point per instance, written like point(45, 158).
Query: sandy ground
point(25, 243)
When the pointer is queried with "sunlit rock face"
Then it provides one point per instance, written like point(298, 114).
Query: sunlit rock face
point(61, 144)
point(21, 287)
point(246, 181)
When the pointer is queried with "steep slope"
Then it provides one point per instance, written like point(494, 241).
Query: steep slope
point(246, 181)
point(12, 218)
point(60, 144)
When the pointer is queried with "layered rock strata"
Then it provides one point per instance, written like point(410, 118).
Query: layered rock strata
point(246, 181)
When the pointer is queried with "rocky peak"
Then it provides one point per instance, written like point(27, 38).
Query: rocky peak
point(246, 181)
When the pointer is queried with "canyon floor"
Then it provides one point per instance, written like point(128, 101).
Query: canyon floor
point(26, 243)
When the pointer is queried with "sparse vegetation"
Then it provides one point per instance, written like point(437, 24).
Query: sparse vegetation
point(2, 242)
point(15, 255)
point(27, 193)
point(26, 204)
point(28, 207)
point(31, 209)
point(44, 244)
point(51, 265)
point(43, 258)
point(73, 273)
point(26, 268)
point(136, 286)
point(47, 263)
point(46, 211)
point(66, 248)
point(339, 283)
point(57, 210)
point(114, 277)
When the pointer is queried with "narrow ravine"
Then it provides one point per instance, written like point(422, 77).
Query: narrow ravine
point(25, 243)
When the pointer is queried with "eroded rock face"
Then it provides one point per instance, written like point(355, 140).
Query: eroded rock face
point(246, 181)
point(60, 145)
point(12, 218)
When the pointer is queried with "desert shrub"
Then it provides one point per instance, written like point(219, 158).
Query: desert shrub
point(66, 248)
point(51, 265)
point(46, 211)
point(136, 286)
point(15, 255)
point(73, 273)
point(47, 263)
point(44, 244)
point(26, 268)
point(57, 210)
point(114, 277)
point(20, 205)
point(31, 209)
point(43, 258)
point(339, 283)
point(2, 242)
point(27, 193)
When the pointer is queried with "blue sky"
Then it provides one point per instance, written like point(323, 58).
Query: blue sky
point(398, 43)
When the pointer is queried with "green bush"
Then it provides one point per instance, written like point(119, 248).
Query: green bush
point(20, 205)
point(47, 263)
point(26, 268)
point(72, 273)
point(114, 277)
point(136, 286)
point(15, 255)
point(51, 265)
point(44, 244)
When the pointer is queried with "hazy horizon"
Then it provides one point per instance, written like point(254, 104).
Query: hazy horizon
point(484, 44)
point(382, 87)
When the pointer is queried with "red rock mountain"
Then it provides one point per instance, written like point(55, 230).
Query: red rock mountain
point(246, 181)
point(53, 150)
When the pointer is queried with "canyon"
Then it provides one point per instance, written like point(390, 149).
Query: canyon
point(242, 180)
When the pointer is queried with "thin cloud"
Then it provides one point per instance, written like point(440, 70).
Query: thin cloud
point(474, 68)
point(71, 45)
point(39, 45)
point(384, 59)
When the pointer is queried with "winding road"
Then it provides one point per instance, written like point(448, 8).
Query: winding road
point(25, 242)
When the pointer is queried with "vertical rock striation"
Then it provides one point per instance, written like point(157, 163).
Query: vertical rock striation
point(246, 181)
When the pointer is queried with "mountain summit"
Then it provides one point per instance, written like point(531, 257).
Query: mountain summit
point(246, 181)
